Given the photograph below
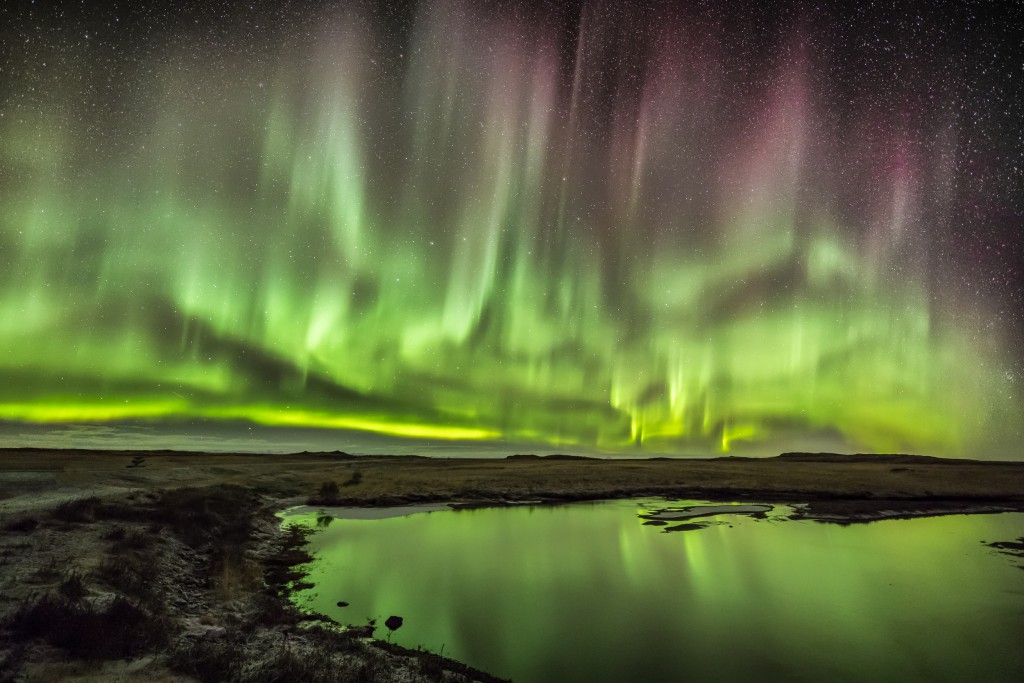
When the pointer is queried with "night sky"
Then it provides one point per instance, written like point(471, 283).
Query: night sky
point(691, 228)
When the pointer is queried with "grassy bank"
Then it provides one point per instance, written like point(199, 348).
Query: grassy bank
point(186, 584)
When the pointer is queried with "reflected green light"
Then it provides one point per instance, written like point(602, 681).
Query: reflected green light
point(546, 593)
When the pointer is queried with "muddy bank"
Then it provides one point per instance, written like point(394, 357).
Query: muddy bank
point(852, 510)
point(181, 585)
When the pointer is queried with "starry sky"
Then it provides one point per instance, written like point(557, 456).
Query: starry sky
point(679, 228)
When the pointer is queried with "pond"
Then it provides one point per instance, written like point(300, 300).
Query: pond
point(650, 590)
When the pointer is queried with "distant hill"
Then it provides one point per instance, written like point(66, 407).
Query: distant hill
point(556, 456)
point(151, 452)
point(902, 458)
point(880, 458)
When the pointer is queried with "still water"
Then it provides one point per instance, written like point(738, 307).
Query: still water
point(603, 592)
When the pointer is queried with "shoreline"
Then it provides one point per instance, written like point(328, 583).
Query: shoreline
point(30, 478)
point(191, 584)
point(188, 548)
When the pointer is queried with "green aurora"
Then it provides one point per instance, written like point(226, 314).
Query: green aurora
point(484, 233)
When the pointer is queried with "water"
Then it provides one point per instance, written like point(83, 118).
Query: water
point(589, 592)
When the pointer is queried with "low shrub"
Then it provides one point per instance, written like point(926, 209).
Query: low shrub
point(25, 525)
point(52, 570)
point(121, 630)
point(219, 515)
point(327, 494)
point(132, 540)
point(72, 588)
point(286, 664)
point(131, 573)
point(211, 661)
point(76, 510)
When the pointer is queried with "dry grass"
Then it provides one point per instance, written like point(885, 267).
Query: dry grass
point(193, 581)
point(236, 576)
point(384, 480)
point(129, 614)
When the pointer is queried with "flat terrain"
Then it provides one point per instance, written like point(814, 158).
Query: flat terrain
point(162, 566)
point(32, 478)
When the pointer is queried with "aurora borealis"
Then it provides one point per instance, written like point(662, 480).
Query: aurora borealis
point(697, 229)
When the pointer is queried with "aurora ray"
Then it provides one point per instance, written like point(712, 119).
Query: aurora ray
point(638, 234)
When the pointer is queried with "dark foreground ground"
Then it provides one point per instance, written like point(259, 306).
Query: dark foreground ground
point(151, 566)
